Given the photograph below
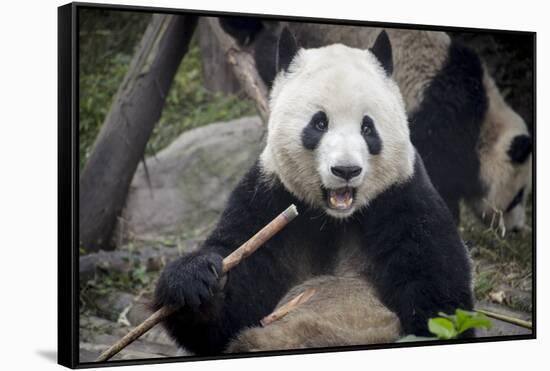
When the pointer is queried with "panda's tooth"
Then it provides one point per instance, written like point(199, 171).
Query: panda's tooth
point(340, 199)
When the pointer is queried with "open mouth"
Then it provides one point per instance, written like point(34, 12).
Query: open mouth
point(340, 199)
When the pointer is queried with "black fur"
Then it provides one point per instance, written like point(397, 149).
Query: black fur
point(286, 50)
point(445, 128)
point(419, 264)
point(518, 198)
point(374, 142)
point(265, 55)
point(520, 148)
point(244, 30)
point(383, 52)
point(263, 38)
point(311, 135)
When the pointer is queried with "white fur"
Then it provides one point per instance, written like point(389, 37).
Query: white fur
point(346, 84)
point(502, 178)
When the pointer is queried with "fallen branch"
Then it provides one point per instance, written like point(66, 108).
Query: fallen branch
point(229, 262)
point(505, 318)
point(287, 307)
point(244, 67)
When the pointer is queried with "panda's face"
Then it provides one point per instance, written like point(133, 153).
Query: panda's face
point(506, 175)
point(338, 133)
point(505, 164)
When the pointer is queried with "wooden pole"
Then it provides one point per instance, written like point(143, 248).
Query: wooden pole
point(231, 261)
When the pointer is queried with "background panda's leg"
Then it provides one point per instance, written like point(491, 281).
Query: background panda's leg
point(343, 311)
point(453, 203)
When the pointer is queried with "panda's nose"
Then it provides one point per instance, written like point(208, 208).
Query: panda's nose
point(346, 172)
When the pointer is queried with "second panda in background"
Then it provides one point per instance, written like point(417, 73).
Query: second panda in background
point(475, 147)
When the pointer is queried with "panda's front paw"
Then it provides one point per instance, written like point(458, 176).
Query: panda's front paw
point(190, 281)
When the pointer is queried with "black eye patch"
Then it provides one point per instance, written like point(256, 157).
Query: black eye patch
point(516, 200)
point(520, 148)
point(314, 131)
point(370, 134)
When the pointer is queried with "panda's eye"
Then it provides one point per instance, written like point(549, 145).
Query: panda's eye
point(320, 121)
point(367, 125)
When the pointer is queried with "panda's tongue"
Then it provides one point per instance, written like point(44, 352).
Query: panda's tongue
point(340, 199)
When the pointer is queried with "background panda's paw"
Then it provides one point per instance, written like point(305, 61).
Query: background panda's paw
point(190, 281)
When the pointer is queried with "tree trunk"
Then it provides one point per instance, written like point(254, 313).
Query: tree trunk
point(135, 110)
point(244, 68)
point(217, 73)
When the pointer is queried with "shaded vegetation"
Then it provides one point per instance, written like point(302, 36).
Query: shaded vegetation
point(107, 42)
point(499, 263)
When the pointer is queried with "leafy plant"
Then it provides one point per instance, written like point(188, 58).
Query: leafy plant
point(450, 326)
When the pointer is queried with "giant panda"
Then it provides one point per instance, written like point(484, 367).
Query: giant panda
point(373, 235)
point(475, 147)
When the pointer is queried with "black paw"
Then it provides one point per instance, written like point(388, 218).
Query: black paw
point(190, 281)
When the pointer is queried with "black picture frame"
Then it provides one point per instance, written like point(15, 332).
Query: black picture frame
point(68, 184)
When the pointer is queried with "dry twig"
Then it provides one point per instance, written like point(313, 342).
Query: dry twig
point(288, 307)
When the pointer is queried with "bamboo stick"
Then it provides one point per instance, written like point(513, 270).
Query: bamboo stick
point(287, 307)
point(229, 263)
point(505, 318)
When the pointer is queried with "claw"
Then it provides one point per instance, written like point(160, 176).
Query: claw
point(213, 269)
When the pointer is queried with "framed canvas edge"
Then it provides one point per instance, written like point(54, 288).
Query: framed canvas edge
point(67, 275)
point(68, 175)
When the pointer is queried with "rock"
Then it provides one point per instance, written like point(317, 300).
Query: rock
point(139, 349)
point(90, 326)
point(125, 261)
point(190, 180)
point(113, 304)
point(139, 311)
point(97, 334)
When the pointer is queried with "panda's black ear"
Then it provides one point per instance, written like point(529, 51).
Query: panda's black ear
point(382, 51)
point(244, 30)
point(520, 148)
point(287, 48)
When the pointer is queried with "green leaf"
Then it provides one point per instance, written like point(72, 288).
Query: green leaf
point(450, 317)
point(461, 317)
point(471, 320)
point(441, 327)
